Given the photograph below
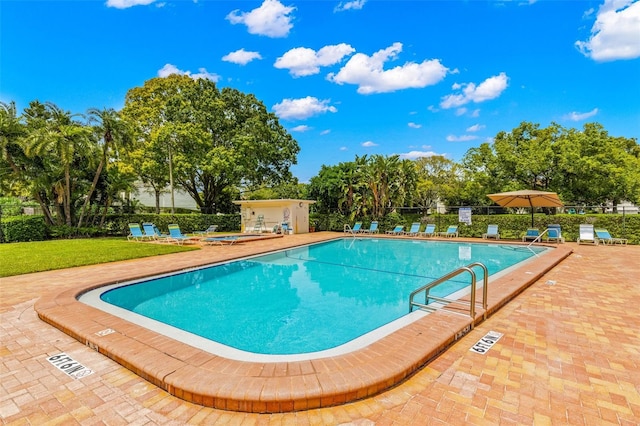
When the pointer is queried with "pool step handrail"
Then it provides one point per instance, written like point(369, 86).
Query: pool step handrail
point(348, 230)
point(443, 301)
point(538, 239)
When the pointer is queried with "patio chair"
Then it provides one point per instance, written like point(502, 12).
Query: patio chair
point(177, 236)
point(413, 231)
point(587, 235)
point(135, 233)
point(429, 230)
point(532, 234)
point(606, 238)
point(492, 232)
point(554, 233)
point(373, 228)
point(452, 231)
point(398, 230)
point(210, 230)
point(153, 232)
point(352, 230)
point(223, 240)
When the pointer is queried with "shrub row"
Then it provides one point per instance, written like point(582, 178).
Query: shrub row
point(23, 228)
point(33, 228)
point(511, 226)
point(119, 224)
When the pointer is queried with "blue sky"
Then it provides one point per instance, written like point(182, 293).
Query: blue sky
point(348, 78)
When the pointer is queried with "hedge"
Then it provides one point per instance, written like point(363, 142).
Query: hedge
point(119, 224)
point(23, 228)
point(510, 226)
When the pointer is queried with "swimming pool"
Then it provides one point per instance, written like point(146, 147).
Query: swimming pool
point(303, 300)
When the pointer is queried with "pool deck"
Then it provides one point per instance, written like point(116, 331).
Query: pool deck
point(570, 354)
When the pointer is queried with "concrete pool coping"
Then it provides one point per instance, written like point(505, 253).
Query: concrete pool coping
point(200, 377)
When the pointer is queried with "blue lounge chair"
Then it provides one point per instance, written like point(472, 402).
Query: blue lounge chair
point(373, 228)
point(554, 233)
point(587, 235)
point(429, 231)
point(452, 231)
point(152, 231)
point(176, 235)
point(222, 240)
point(210, 230)
point(492, 232)
point(349, 230)
point(606, 238)
point(413, 231)
point(531, 235)
point(135, 233)
point(398, 230)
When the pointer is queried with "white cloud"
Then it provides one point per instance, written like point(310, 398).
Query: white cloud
point(412, 155)
point(616, 32)
point(271, 19)
point(350, 5)
point(169, 69)
point(476, 127)
point(344, 148)
point(368, 144)
point(241, 57)
point(301, 128)
point(369, 74)
point(491, 88)
point(463, 138)
point(325, 132)
point(302, 61)
point(414, 125)
point(299, 109)
point(124, 4)
point(579, 116)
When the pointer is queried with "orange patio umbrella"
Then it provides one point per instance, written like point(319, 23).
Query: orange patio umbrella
point(527, 198)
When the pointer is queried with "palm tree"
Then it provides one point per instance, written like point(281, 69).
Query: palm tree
point(59, 136)
point(113, 132)
point(11, 129)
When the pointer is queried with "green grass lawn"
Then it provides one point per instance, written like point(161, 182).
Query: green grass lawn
point(24, 258)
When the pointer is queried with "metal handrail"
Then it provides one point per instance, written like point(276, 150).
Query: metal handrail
point(347, 229)
point(538, 238)
point(472, 303)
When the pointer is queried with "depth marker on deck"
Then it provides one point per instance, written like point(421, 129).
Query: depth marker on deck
point(68, 365)
point(485, 343)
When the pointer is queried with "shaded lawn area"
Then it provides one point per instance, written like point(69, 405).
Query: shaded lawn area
point(37, 256)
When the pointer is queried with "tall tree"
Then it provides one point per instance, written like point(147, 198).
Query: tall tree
point(59, 137)
point(216, 139)
point(111, 132)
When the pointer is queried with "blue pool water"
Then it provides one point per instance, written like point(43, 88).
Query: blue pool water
point(310, 298)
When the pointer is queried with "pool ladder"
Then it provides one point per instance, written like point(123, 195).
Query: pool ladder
point(443, 301)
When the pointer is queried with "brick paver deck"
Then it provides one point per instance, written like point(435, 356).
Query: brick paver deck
point(570, 354)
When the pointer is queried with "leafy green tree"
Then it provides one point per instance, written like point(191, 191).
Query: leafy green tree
point(211, 139)
point(595, 168)
point(438, 180)
point(526, 156)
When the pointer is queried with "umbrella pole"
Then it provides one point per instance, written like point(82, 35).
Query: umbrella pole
point(531, 204)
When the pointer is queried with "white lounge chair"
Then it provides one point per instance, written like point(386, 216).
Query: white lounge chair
point(492, 232)
point(587, 235)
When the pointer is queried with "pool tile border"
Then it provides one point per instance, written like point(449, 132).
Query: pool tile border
point(261, 387)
